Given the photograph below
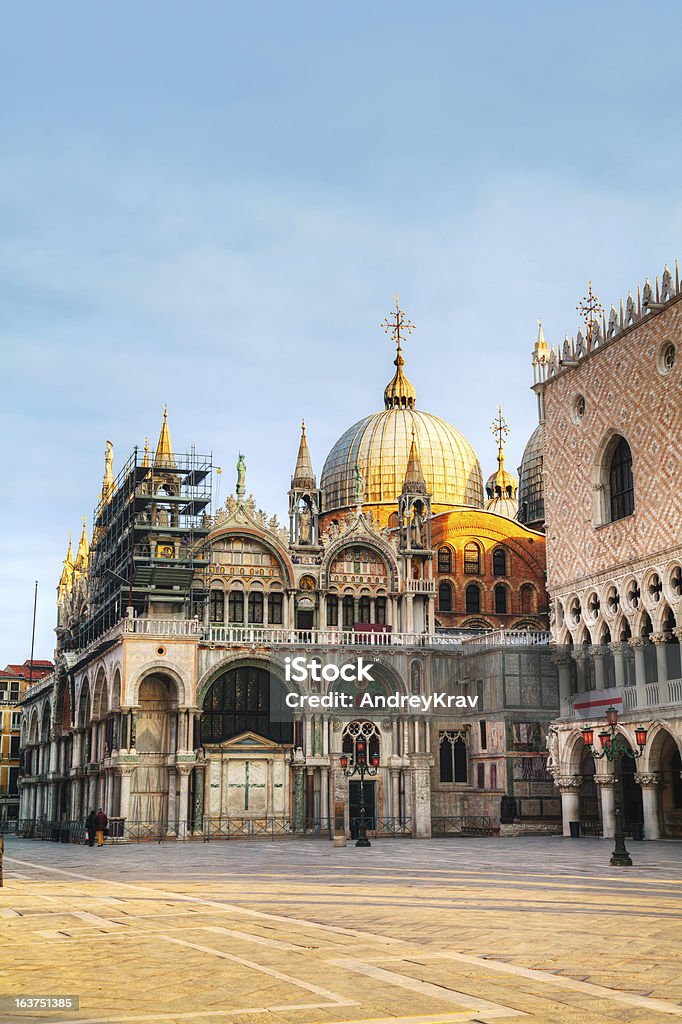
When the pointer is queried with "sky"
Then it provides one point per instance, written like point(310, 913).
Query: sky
point(212, 206)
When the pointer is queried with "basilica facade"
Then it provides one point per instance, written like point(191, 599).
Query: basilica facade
point(178, 624)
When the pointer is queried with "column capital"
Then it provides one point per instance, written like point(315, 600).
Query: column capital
point(677, 632)
point(604, 780)
point(647, 778)
point(599, 650)
point(638, 642)
point(567, 782)
point(619, 646)
point(659, 638)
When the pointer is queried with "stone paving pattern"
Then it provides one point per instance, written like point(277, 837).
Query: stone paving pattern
point(540, 929)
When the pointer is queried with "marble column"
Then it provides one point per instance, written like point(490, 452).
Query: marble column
point(638, 644)
point(172, 802)
point(569, 788)
point(597, 654)
point(618, 650)
point(649, 783)
point(608, 803)
point(420, 772)
point(395, 792)
point(183, 809)
point(324, 796)
point(563, 663)
point(124, 803)
point(660, 642)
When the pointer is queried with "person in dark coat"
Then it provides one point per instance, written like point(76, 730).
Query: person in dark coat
point(91, 827)
point(102, 822)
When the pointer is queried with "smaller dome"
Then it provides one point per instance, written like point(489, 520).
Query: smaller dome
point(501, 484)
point(502, 506)
point(531, 486)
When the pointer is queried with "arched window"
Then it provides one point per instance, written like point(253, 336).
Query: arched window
point(332, 610)
point(275, 609)
point(348, 612)
point(256, 607)
point(217, 606)
point(472, 559)
point(500, 599)
point(445, 597)
point(453, 757)
point(364, 609)
point(444, 560)
point(381, 611)
point(473, 599)
point(621, 486)
point(499, 562)
point(527, 599)
point(235, 606)
point(245, 700)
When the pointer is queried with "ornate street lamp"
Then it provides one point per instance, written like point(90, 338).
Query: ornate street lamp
point(359, 766)
point(614, 746)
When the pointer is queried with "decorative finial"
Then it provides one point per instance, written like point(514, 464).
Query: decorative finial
point(145, 460)
point(590, 309)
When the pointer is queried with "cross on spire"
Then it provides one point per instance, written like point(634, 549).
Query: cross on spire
point(499, 428)
point(590, 309)
point(397, 324)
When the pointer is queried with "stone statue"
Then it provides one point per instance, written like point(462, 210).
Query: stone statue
point(109, 458)
point(241, 476)
point(416, 531)
point(359, 485)
point(305, 534)
point(552, 744)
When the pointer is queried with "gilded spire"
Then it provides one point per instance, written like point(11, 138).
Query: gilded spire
point(164, 458)
point(108, 482)
point(505, 484)
point(83, 552)
point(145, 459)
point(66, 580)
point(415, 482)
point(304, 476)
point(399, 393)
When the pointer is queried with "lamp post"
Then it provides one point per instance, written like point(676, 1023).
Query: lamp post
point(614, 746)
point(359, 766)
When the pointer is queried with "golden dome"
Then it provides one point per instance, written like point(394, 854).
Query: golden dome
point(380, 446)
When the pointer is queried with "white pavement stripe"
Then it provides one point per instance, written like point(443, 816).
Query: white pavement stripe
point(449, 995)
point(187, 1016)
point(260, 940)
point(315, 989)
point(560, 981)
point(101, 922)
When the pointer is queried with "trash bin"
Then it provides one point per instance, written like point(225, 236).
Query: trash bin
point(637, 830)
point(575, 829)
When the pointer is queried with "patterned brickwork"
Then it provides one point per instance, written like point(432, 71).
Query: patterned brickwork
point(626, 394)
point(525, 565)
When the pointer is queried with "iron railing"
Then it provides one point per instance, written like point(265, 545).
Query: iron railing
point(466, 825)
point(378, 827)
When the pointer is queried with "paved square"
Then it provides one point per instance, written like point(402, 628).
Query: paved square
point(448, 930)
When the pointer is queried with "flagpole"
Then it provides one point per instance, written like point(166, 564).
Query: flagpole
point(33, 632)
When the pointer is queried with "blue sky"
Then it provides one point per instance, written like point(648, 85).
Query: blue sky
point(212, 206)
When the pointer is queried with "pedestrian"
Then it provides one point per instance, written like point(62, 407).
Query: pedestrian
point(91, 828)
point(102, 822)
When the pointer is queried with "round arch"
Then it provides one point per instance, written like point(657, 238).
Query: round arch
point(161, 668)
